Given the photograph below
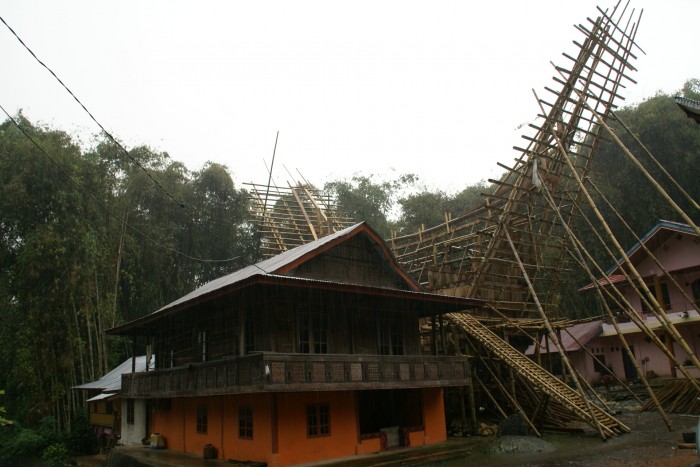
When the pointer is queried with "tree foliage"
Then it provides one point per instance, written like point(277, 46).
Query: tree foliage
point(74, 263)
point(368, 200)
point(674, 141)
point(403, 205)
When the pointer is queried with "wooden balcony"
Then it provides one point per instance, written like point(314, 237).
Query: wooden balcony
point(275, 372)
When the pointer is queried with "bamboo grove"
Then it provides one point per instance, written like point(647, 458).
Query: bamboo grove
point(88, 240)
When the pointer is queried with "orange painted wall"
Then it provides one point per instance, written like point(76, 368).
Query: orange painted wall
point(260, 447)
point(369, 446)
point(416, 438)
point(434, 416)
point(178, 426)
point(296, 447)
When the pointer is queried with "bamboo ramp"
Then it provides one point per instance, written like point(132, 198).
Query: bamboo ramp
point(556, 389)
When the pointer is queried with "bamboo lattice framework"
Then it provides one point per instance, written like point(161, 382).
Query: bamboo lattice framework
point(519, 233)
point(293, 215)
point(513, 250)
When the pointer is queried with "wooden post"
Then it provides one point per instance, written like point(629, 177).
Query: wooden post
point(470, 389)
point(442, 336)
point(472, 401)
point(563, 367)
point(133, 354)
point(241, 331)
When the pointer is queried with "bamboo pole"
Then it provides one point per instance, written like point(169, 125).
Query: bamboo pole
point(490, 396)
point(579, 248)
point(622, 253)
point(509, 398)
point(643, 246)
point(552, 335)
point(656, 162)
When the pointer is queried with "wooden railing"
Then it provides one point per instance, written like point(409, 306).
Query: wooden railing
point(273, 372)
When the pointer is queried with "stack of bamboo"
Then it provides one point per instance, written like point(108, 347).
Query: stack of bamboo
point(678, 396)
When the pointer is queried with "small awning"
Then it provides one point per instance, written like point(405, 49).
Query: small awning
point(572, 338)
point(677, 318)
point(605, 281)
point(104, 395)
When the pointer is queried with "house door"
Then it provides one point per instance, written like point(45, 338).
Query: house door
point(630, 369)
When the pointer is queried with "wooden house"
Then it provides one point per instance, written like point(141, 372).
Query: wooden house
point(676, 250)
point(312, 354)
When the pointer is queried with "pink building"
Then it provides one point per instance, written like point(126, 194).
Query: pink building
point(677, 248)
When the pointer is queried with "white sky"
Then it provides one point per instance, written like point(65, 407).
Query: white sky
point(435, 88)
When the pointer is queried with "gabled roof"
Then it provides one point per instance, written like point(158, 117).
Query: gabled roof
point(652, 240)
point(112, 381)
point(279, 270)
point(284, 262)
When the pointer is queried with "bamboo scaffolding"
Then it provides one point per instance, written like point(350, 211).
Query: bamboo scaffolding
point(514, 249)
point(286, 217)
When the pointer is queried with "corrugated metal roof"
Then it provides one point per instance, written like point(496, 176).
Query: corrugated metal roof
point(690, 103)
point(99, 397)
point(582, 333)
point(677, 318)
point(112, 381)
point(269, 266)
point(279, 270)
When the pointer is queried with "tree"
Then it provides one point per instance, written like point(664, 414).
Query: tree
point(90, 239)
point(673, 140)
point(370, 201)
point(426, 209)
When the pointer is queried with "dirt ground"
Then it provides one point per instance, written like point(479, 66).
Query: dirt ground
point(650, 443)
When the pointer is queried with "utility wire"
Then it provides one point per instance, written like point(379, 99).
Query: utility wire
point(107, 133)
point(102, 205)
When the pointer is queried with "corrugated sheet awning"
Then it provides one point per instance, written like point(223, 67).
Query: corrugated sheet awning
point(572, 338)
point(104, 395)
point(112, 381)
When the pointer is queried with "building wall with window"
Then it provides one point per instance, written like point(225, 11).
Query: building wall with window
point(104, 413)
point(134, 421)
point(289, 428)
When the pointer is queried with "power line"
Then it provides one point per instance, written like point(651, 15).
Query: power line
point(102, 205)
point(108, 134)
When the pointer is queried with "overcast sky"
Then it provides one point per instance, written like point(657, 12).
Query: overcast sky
point(435, 88)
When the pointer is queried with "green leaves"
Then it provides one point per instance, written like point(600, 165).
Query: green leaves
point(70, 269)
point(401, 205)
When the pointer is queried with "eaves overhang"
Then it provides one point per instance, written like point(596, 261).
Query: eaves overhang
point(147, 325)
